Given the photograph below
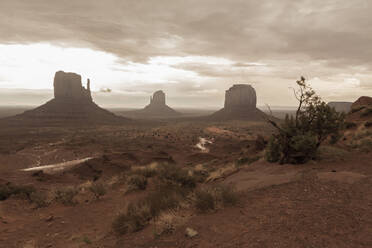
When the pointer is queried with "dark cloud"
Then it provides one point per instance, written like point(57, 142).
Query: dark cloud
point(265, 40)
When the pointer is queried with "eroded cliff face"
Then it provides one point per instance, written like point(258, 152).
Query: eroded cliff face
point(240, 104)
point(67, 85)
point(240, 95)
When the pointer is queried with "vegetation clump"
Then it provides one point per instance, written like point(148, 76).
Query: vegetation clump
point(98, 189)
point(137, 182)
point(298, 138)
point(66, 195)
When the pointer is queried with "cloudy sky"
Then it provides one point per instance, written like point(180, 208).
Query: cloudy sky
point(192, 49)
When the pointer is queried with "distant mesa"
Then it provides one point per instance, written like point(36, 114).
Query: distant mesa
point(72, 102)
point(240, 103)
point(344, 107)
point(156, 109)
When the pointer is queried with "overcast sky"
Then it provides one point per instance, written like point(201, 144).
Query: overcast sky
point(192, 49)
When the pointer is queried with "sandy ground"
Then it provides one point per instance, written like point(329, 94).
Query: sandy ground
point(320, 204)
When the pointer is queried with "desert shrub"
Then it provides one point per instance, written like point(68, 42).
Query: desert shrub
point(368, 124)
point(164, 198)
point(8, 190)
point(98, 189)
point(137, 182)
point(350, 125)
point(174, 175)
point(134, 219)
point(204, 200)
point(227, 195)
point(139, 214)
point(66, 195)
point(40, 199)
point(273, 151)
point(168, 222)
point(298, 137)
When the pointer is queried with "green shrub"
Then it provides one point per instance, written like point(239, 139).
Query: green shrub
point(66, 195)
point(98, 189)
point(273, 150)
point(298, 137)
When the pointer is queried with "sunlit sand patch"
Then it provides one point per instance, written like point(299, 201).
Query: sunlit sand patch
point(202, 144)
point(54, 168)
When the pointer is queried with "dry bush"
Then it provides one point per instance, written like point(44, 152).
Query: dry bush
point(137, 182)
point(40, 199)
point(175, 175)
point(204, 200)
point(66, 195)
point(140, 213)
point(7, 190)
point(168, 222)
point(222, 172)
point(98, 189)
point(211, 198)
point(134, 219)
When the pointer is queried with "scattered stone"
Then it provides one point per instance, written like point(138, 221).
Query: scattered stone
point(50, 218)
point(190, 232)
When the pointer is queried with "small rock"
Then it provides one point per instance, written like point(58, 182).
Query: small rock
point(191, 232)
point(50, 218)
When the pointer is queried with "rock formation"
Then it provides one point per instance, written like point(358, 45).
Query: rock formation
point(240, 95)
point(68, 85)
point(240, 103)
point(156, 109)
point(158, 99)
point(341, 106)
point(72, 102)
point(361, 109)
